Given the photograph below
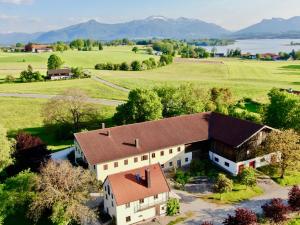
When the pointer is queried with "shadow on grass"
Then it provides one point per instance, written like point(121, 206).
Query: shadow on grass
point(291, 67)
point(48, 138)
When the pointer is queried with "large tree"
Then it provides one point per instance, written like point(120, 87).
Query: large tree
point(287, 146)
point(71, 109)
point(142, 105)
point(64, 190)
point(54, 62)
point(283, 112)
point(6, 149)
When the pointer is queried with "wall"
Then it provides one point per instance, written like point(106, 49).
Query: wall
point(233, 167)
point(137, 211)
point(164, 160)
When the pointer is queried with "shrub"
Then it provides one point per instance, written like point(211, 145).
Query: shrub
point(77, 72)
point(223, 184)
point(242, 217)
point(275, 210)
point(173, 207)
point(182, 177)
point(136, 66)
point(109, 66)
point(100, 66)
point(9, 79)
point(198, 167)
point(294, 198)
point(248, 177)
point(116, 66)
point(124, 66)
point(165, 60)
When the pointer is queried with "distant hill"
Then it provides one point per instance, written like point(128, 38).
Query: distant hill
point(12, 38)
point(272, 28)
point(151, 27)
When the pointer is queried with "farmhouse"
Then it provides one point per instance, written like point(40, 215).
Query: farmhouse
point(173, 142)
point(38, 48)
point(136, 195)
point(59, 74)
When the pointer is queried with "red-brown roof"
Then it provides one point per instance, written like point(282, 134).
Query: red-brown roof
point(127, 188)
point(99, 147)
point(154, 135)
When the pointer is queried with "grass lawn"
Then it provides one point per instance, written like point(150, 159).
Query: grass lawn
point(13, 63)
point(25, 114)
point(246, 78)
point(291, 178)
point(238, 194)
point(295, 221)
point(89, 86)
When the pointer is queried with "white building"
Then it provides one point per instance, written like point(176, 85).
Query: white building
point(136, 195)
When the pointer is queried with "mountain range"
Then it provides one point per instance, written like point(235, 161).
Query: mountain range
point(159, 27)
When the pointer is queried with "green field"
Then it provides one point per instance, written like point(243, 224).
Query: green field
point(25, 114)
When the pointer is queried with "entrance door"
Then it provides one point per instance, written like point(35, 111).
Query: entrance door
point(241, 168)
point(252, 164)
point(179, 163)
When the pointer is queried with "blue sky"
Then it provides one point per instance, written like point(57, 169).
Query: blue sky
point(44, 15)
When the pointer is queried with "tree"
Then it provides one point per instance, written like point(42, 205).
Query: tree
point(124, 66)
point(100, 46)
point(242, 217)
point(182, 177)
point(275, 210)
point(248, 177)
point(69, 111)
point(286, 146)
point(16, 193)
point(165, 60)
point(142, 105)
point(31, 152)
point(30, 76)
point(135, 49)
point(9, 79)
point(77, 72)
point(136, 66)
point(64, 190)
point(283, 112)
point(78, 44)
point(294, 198)
point(173, 207)
point(54, 62)
point(223, 184)
point(6, 149)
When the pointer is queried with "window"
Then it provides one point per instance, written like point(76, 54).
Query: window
point(162, 153)
point(262, 160)
point(216, 159)
point(108, 190)
point(127, 205)
point(170, 151)
point(126, 162)
point(105, 167)
point(94, 167)
point(153, 155)
point(248, 152)
point(162, 166)
point(112, 204)
point(116, 164)
point(128, 219)
point(163, 208)
point(226, 164)
point(104, 188)
point(170, 163)
point(106, 197)
point(155, 196)
point(178, 149)
point(141, 201)
point(144, 157)
point(136, 159)
point(112, 196)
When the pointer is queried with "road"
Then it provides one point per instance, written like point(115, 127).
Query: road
point(107, 83)
point(101, 101)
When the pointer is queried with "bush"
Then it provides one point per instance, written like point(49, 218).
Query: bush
point(100, 66)
point(294, 198)
point(9, 79)
point(223, 184)
point(116, 66)
point(165, 60)
point(248, 177)
point(242, 217)
point(198, 167)
point(109, 66)
point(124, 66)
point(173, 207)
point(136, 66)
point(275, 210)
point(77, 72)
point(182, 177)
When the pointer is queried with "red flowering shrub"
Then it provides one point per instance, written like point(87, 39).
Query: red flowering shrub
point(242, 217)
point(294, 198)
point(275, 210)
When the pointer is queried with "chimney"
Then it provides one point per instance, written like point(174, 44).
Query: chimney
point(137, 143)
point(102, 125)
point(148, 178)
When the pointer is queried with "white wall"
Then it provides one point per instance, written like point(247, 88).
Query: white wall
point(137, 211)
point(164, 160)
point(233, 167)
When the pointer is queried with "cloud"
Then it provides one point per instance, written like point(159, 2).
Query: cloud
point(16, 2)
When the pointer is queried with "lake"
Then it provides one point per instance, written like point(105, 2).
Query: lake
point(254, 46)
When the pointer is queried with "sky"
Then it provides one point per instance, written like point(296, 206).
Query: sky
point(43, 15)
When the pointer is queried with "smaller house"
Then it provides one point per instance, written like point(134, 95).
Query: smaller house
point(136, 195)
point(270, 56)
point(219, 55)
point(38, 48)
point(249, 56)
point(59, 74)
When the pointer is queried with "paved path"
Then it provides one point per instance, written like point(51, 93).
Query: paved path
point(216, 213)
point(44, 96)
point(115, 86)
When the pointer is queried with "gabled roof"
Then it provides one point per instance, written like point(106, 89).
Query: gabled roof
point(99, 147)
point(126, 188)
point(59, 71)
